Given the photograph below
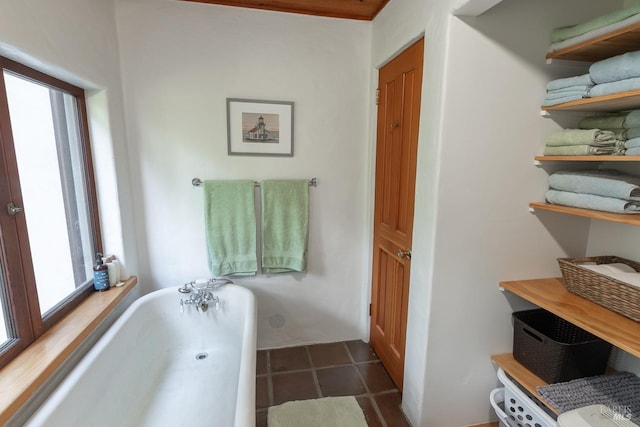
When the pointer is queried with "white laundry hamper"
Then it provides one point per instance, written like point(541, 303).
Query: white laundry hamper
point(515, 409)
point(497, 401)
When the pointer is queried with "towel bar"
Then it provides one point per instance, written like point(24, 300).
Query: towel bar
point(196, 182)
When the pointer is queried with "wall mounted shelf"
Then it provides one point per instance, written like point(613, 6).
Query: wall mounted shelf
point(587, 158)
point(605, 46)
point(522, 375)
point(621, 101)
point(630, 219)
point(552, 295)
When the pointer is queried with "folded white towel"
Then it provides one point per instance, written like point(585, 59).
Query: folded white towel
point(616, 267)
point(617, 271)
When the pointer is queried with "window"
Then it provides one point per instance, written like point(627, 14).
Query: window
point(49, 229)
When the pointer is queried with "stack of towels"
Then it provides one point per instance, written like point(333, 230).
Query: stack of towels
point(612, 75)
point(625, 126)
point(583, 142)
point(564, 37)
point(567, 89)
point(602, 190)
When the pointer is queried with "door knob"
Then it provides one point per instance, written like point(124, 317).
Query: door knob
point(13, 209)
point(406, 253)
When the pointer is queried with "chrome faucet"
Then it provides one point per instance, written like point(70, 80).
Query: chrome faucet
point(201, 300)
point(202, 293)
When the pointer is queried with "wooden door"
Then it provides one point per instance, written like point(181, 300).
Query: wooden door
point(400, 84)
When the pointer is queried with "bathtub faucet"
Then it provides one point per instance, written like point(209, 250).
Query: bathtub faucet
point(202, 293)
point(201, 300)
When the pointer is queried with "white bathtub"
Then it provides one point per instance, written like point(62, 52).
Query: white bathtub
point(149, 368)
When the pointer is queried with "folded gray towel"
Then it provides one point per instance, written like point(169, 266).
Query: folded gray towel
point(619, 391)
point(615, 87)
point(593, 202)
point(603, 182)
point(581, 136)
point(620, 67)
point(568, 82)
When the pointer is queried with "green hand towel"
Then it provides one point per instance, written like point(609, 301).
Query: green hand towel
point(285, 225)
point(230, 221)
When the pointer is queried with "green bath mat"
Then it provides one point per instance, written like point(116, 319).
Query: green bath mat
point(325, 412)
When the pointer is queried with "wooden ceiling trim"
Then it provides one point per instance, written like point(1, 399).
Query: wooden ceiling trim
point(347, 9)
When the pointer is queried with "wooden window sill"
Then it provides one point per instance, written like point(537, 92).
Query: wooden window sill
point(22, 377)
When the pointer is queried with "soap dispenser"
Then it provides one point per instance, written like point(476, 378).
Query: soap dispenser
point(100, 275)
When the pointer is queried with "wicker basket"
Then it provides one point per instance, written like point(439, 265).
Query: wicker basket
point(613, 294)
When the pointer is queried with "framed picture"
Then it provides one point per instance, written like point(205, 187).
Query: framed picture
point(259, 128)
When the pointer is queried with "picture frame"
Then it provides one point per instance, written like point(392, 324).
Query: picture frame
point(259, 128)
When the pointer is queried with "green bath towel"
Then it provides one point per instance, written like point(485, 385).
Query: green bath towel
point(230, 221)
point(582, 150)
point(595, 137)
point(285, 225)
point(563, 33)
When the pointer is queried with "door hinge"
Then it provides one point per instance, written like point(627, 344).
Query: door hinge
point(369, 309)
point(377, 96)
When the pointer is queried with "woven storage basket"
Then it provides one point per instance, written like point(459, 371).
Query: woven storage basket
point(555, 349)
point(613, 294)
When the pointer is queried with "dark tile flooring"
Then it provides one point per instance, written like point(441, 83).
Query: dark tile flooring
point(349, 368)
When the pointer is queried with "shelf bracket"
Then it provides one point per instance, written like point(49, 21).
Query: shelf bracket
point(545, 113)
point(532, 210)
point(537, 163)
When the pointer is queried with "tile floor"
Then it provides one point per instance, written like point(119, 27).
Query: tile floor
point(349, 368)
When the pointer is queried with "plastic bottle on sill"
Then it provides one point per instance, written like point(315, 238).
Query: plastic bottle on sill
point(100, 275)
point(114, 269)
point(118, 272)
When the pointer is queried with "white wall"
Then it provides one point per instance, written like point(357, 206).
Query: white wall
point(75, 40)
point(180, 62)
point(480, 130)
